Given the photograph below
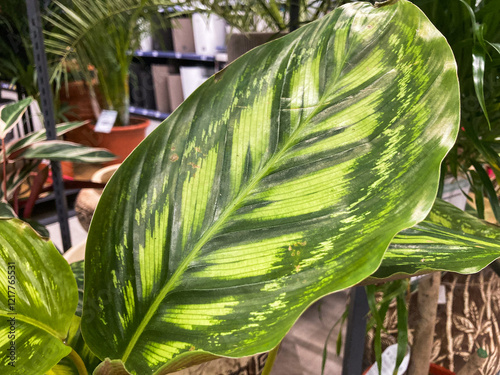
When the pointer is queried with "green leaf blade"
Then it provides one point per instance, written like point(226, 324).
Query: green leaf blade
point(246, 205)
point(67, 151)
point(448, 240)
point(10, 114)
point(45, 298)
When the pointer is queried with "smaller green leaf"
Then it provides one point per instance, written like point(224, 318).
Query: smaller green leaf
point(67, 151)
point(39, 136)
point(10, 114)
point(64, 367)
point(6, 211)
point(78, 271)
point(447, 240)
point(379, 324)
point(341, 320)
point(485, 149)
point(39, 228)
point(402, 313)
point(495, 46)
point(478, 187)
point(19, 174)
point(490, 189)
point(478, 64)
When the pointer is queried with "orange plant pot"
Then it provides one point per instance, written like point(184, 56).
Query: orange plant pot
point(121, 141)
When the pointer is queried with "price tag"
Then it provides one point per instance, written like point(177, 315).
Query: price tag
point(105, 121)
point(389, 362)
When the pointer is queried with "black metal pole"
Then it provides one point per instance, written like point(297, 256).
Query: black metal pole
point(294, 14)
point(352, 363)
point(36, 34)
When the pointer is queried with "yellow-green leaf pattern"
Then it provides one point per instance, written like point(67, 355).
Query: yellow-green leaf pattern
point(447, 240)
point(281, 179)
point(38, 297)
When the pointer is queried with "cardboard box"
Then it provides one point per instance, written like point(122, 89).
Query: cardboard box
point(160, 80)
point(175, 90)
point(182, 35)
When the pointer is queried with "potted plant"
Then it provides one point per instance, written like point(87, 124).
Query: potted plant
point(101, 35)
point(283, 178)
point(22, 158)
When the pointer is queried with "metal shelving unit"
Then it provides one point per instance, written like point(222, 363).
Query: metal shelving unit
point(174, 56)
point(151, 113)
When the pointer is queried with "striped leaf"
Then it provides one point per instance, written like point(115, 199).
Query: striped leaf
point(6, 211)
point(281, 179)
point(43, 298)
point(447, 240)
point(67, 151)
point(77, 268)
point(40, 136)
point(10, 114)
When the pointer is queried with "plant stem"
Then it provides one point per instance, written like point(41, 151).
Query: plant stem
point(271, 357)
point(428, 293)
point(4, 170)
point(77, 361)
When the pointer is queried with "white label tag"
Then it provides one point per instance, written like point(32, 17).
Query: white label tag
point(105, 121)
point(389, 362)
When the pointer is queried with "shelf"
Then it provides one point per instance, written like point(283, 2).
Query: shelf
point(152, 113)
point(8, 86)
point(174, 55)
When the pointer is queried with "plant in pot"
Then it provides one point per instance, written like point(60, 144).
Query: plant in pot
point(22, 159)
point(100, 35)
point(303, 168)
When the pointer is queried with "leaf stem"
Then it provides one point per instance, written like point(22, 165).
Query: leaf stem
point(78, 362)
point(271, 357)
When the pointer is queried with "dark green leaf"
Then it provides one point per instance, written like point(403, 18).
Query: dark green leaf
point(6, 211)
point(39, 228)
point(281, 179)
point(490, 189)
point(478, 63)
point(78, 268)
point(402, 314)
point(447, 240)
point(10, 114)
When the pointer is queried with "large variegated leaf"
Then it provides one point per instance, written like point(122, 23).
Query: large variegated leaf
point(38, 291)
point(447, 240)
point(281, 179)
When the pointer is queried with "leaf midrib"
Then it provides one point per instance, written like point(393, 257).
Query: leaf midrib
point(217, 225)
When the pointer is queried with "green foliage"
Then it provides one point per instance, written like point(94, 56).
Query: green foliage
point(100, 34)
point(20, 157)
point(39, 288)
point(473, 32)
point(281, 179)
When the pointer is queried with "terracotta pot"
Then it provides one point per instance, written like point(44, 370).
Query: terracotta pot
point(433, 370)
point(438, 370)
point(77, 96)
point(121, 141)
